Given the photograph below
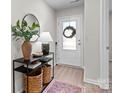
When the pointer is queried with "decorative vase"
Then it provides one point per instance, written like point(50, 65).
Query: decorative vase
point(26, 50)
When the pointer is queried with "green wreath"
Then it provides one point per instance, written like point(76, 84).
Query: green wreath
point(73, 31)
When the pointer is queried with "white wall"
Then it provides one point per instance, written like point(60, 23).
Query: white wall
point(46, 17)
point(72, 12)
point(92, 46)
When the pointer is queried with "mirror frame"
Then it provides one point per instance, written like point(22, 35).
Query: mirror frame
point(36, 20)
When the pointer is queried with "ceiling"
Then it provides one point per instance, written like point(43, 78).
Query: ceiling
point(62, 4)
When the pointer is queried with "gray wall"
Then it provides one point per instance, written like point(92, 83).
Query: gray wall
point(46, 17)
point(92, 46)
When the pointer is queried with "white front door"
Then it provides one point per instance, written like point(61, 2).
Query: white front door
point(69, 47)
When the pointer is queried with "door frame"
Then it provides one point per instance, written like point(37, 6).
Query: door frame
point(81, 38)
point(104, 43)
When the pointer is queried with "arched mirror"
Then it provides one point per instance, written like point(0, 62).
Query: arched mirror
point(30, 19)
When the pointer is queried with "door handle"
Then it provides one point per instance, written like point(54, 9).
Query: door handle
point(79, 43)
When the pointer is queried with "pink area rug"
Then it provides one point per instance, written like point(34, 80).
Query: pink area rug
point(60, 87)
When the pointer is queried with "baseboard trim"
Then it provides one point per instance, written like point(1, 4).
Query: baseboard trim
point(91, 81)
point(72, 66)
point(103, 84)
point(99, 83)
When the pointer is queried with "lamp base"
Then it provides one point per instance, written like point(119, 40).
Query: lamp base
point(45, 49)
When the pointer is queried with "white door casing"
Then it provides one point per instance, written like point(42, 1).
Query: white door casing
point(66, 55)
point(104, 44)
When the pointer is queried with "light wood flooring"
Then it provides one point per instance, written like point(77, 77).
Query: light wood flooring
point(74, 76)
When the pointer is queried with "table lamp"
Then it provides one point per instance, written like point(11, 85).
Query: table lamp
point(45, 38)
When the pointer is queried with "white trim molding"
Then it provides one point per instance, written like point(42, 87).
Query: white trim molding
point(103, 84)
point(104, 54)
point(80, 17)
point(91, 81)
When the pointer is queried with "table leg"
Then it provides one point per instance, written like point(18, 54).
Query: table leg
point(27, 78)
point(53, 65)
point(13, 77)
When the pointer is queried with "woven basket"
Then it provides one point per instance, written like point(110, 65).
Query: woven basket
point(46, 73)
point(34, 82)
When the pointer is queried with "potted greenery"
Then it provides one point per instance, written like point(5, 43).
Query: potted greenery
point(24, 31)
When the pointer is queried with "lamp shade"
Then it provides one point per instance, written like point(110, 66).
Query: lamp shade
point(45, 37)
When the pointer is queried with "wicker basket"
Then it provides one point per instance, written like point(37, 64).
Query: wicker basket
point(46, 73)
point(34, 82)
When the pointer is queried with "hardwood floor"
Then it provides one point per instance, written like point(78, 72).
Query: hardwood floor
point(74, 76)
point(68, 74)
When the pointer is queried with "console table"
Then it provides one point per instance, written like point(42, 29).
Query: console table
point(26, 70)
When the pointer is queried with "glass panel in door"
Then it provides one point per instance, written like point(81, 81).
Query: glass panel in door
point(69, 43)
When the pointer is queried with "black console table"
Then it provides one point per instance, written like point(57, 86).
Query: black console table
point(26, 70)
